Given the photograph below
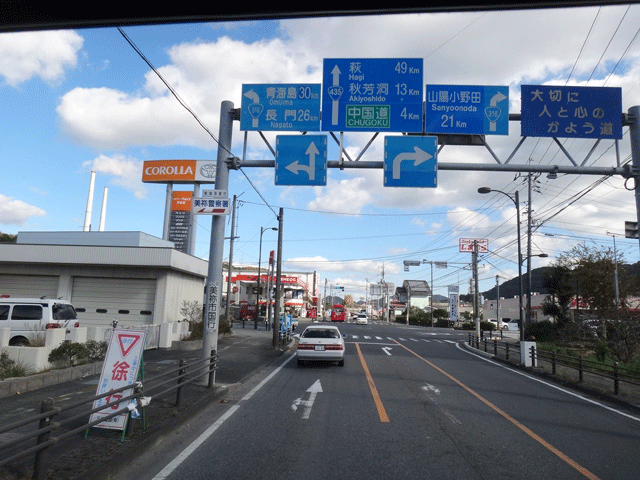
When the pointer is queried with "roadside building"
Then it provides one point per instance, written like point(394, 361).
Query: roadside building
point(300, 289)
point(133, 278)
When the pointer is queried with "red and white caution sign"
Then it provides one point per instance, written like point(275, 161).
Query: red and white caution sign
point(120, 368)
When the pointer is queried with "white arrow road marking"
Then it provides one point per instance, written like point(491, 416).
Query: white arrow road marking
point(386, 350)
point(418, 156)
point(311, 152)
point(313, 390)
point(427, 388)
point(433, 392)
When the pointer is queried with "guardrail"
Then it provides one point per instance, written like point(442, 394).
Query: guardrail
point(51, 432)
point(553, 360)
point(493, 345)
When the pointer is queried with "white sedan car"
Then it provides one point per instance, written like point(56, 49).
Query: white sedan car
point(321, 343)
point(362, 319)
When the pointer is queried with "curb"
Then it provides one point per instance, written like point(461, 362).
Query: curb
point(18, 385)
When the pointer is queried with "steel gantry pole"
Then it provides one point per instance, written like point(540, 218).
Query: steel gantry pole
point(213, 286)
point(634, 137)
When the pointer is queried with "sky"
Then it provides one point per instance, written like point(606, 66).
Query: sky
point(76, 101)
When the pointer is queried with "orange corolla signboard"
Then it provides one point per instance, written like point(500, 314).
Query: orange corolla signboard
point(179, 171)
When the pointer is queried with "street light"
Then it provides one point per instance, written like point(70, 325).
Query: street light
point(516, 200)
point(262, 230)
point(541, 255)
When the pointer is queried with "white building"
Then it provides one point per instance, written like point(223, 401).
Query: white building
point(131, 277)
point(510, 307)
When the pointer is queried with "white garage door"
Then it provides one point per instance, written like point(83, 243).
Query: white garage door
point(29, 286)
point(100, 301)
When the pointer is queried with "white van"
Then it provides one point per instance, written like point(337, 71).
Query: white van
point(28, 318)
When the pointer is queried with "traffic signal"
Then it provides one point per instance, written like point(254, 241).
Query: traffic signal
point(630, 229)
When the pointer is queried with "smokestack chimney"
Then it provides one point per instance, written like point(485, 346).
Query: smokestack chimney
point(87, 214)
point(103, 211)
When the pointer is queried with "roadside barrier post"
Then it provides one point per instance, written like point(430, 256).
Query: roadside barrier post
point(212, 367)
point(180, 382)
point(580, 373)
point(40, 464)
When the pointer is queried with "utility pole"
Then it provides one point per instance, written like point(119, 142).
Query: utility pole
point(233, 229)
point(276, 319)
point(529, 210)
point(476, 314)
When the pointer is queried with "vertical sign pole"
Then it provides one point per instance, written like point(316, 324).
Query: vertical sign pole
point(634, 136)
point(213, 286)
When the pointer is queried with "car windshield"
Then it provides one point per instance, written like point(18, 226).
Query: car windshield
point(321, 333)
point(64, 312)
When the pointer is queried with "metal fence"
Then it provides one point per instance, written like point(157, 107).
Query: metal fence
point(52, 430)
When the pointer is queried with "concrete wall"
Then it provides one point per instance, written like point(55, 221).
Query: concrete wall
point(36, 359)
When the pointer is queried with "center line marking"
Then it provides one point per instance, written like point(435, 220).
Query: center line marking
point(382, 413)
point(526, 430)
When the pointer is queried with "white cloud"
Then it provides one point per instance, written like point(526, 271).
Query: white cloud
point(24, 55)
point(125, 172)
point(17, 212)
point(343, 196)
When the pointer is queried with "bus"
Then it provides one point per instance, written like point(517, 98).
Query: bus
point(338, 313)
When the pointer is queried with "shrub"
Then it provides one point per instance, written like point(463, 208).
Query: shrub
point(225, 326)
point(70, 354)
point(96, 350)
point(10, 368)
point(543, 331)
point(487, 326)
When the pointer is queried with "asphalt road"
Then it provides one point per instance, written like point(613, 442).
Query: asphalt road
point(409, 403)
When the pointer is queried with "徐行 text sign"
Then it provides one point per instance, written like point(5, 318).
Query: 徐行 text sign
point(120, 368)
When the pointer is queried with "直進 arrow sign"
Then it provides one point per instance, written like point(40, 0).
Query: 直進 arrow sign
point(311, 153)
point(301, 160)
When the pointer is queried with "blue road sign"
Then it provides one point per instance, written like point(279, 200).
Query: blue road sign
point(372, 95)
point(301, 160)
point(280, 107)
point(573, 112)
point(411, 161)
point(467, 110)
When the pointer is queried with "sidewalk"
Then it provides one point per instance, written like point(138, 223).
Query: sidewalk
point(102, 452)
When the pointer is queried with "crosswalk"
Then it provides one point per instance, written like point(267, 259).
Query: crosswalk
point(378, 338)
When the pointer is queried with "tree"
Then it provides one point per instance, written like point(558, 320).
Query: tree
point(594, 279)
point(557, 281)
point(348, 301)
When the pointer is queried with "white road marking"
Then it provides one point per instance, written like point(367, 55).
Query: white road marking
point(166, 471)
point(313, 390)
point(568, 392)
point(386, 350)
